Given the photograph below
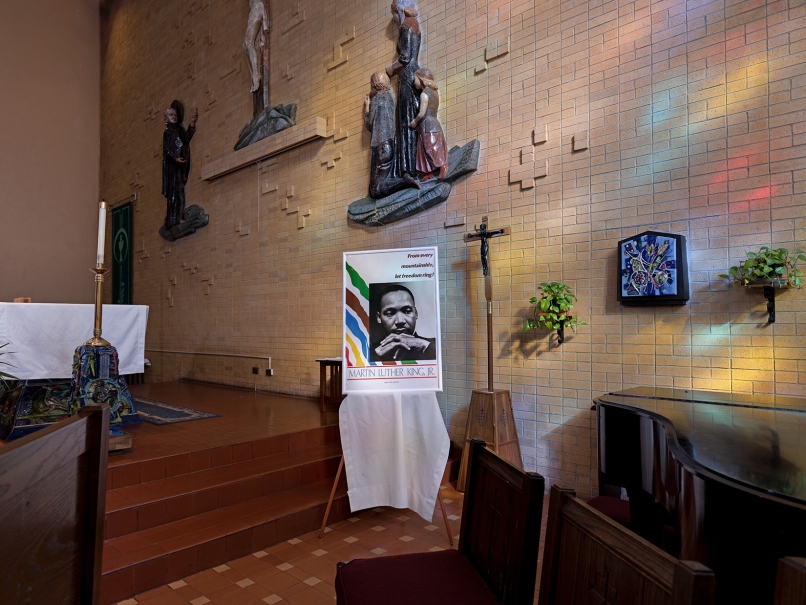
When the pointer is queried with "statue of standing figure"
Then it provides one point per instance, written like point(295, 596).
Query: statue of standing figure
point(379, 118)
point(432, 151)
point(179, 220)
point(176, 160)
point(408, 100)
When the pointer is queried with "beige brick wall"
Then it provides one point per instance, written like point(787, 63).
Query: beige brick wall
point(695, 121)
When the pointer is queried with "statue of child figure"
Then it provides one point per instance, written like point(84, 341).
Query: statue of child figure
point(432, 150)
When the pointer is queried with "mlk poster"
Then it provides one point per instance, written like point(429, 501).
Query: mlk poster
point(391, 335)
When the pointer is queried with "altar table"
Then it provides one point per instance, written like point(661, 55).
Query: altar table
point(43, 337)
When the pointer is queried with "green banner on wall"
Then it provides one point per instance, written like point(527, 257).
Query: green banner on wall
point(122, 255)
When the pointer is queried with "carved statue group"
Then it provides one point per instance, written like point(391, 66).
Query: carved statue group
point(408, 144)
point(411, 168)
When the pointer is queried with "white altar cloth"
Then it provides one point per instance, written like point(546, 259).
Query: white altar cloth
point(43, 337)
point(395, 448)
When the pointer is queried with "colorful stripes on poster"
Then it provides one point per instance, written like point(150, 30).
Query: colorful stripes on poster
point(356, 321)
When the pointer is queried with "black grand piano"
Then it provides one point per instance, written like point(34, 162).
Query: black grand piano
point(714, 477)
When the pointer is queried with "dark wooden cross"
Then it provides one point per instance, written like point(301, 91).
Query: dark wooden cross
point(482, 233)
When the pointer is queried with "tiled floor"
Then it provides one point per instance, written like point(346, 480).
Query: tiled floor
point(302, 571)
point(245, 416)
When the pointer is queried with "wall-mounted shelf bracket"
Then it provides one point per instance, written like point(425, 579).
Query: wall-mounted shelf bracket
point(769, 294)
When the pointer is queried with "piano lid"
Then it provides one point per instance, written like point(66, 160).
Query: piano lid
point(758, 440)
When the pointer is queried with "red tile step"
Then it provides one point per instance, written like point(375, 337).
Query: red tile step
point(147, 559)
point(124, 473)
point(156, 503)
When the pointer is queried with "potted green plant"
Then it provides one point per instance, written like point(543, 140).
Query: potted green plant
point(768, 267)
point(551, 310)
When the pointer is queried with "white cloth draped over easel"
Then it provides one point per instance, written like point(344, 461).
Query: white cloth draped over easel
point(395, 449)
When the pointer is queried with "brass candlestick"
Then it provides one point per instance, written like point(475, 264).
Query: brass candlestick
point(96, 340)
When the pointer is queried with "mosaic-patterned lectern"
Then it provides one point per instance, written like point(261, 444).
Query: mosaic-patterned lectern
point(96, 380)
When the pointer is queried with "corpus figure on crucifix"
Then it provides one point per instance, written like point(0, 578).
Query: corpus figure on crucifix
point(257, 30)
point(483, 234)
point(266, 120)
point(485, 248)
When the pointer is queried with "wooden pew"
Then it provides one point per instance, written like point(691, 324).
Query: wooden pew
point(790, 585)
point(589, 558)
point(496, 562)
point(52, 504)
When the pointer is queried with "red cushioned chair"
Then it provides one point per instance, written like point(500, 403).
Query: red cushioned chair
point(615, 508)
point(496, 563)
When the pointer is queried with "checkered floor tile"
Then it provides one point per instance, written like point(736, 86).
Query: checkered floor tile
point(306, 573)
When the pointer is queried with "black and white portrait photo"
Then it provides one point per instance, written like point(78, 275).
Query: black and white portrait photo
point(402, 321)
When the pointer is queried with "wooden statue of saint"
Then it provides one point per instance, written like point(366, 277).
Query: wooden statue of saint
point(379, 118)
point(180, 221)
point(176, 160)
point(408, 98)
point(431, 158)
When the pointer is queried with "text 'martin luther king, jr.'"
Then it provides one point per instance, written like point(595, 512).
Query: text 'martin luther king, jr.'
point(397, 315)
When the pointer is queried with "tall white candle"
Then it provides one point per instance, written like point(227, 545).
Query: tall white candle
point(101, 232)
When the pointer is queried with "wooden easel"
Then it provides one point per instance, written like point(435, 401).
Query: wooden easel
point(490, 415)
point(333, 494)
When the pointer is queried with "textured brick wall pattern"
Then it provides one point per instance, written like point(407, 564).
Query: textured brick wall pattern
point(695, 118)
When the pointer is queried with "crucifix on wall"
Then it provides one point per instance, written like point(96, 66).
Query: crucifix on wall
point(256, 46)
point(266, 120)
point(490, 416)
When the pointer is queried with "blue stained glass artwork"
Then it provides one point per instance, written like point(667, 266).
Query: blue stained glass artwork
point(648, 266)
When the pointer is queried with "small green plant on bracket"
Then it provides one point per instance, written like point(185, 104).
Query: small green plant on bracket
point(551, 310)
point(773, 267)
